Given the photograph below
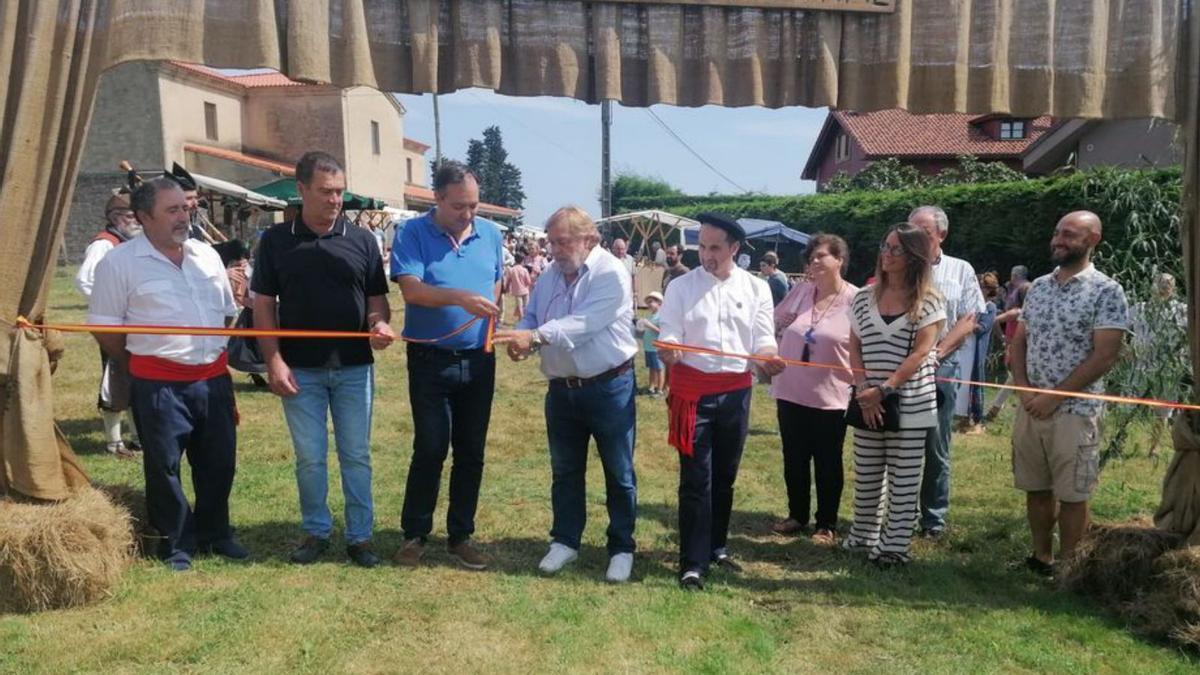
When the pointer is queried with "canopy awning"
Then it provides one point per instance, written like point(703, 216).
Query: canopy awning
point(769, 231)
point(651, 225)
point(285, 189)
point(236, 191)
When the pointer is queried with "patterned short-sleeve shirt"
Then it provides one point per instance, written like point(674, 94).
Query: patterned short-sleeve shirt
point(1060, 320)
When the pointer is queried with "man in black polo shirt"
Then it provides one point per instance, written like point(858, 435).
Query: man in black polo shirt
point(320, 272)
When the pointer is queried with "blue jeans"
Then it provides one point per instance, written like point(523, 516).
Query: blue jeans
point(935, 483)
point(605, 411)
point(347, 393)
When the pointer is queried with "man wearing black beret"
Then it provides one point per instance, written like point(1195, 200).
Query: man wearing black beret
point(721, 307)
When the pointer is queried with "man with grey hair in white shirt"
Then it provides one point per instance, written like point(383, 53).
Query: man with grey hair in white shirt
point(579, 319)
point(955, 279)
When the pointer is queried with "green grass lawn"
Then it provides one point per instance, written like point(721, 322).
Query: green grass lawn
point(797, 608)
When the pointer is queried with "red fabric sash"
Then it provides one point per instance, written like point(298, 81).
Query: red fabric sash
point(688, 385)
point(165, 370)
point(107, 236)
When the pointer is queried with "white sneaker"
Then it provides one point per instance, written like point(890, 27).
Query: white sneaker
point(557, 558)
point(619, 568)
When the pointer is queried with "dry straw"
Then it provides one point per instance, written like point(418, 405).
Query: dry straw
point(63, 554)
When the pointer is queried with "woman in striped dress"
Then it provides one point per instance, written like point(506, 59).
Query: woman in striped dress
point(894, 327)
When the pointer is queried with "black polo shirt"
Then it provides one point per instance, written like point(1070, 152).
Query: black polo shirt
point(321, 283)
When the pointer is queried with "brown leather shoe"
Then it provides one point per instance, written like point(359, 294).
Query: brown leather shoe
point(410, 553)
point(788, 526)
point(468, 556)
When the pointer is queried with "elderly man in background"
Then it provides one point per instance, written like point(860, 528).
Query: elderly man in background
point(620, 250)
point(580, 324)
point(955, 279)
point(182, 394)
point(113, 398)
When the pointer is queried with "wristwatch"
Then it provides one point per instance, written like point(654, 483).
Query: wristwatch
point(885, 389)
point(535, 340)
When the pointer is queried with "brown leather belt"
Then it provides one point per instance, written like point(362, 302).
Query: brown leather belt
point(577, 382)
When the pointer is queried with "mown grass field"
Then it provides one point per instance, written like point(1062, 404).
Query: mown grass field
point(797, 608)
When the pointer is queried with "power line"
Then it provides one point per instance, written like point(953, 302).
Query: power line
point(695, 154)
point(538, 133)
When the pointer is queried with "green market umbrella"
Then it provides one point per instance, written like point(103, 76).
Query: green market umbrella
point(285, 189)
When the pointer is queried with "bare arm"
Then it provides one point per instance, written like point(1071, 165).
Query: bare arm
point(1106, 351)
point(113, 345)
point(280, 376)
point(956, 336)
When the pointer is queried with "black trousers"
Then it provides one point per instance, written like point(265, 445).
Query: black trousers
point(706, 478)
point(195, 418)
point(812, 436)
point(451, 398)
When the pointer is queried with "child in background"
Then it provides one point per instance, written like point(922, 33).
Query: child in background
point(517, 281)
point(649, 330)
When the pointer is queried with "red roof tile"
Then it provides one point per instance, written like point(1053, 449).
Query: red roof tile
point(898, 133)
point(248, 80)
point(241, 158)
point(426, 196)
point(415, 145)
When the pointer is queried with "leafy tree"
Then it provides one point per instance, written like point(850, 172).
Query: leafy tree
point(499, 179)
point(632, 185)
point(884, 174)
point(971, 169)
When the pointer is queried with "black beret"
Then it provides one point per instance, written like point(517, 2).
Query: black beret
point(724, 222)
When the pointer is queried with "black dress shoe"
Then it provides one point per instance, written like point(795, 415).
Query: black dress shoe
point(228, 549)
point(309, 550)
point(362, 555)
point(1042, 569)
point(691, 581)
point(727, 562)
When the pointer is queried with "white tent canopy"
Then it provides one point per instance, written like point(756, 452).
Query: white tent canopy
point(238, 192)
point(652, 225)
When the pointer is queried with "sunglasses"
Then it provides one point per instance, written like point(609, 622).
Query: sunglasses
point(894, 251)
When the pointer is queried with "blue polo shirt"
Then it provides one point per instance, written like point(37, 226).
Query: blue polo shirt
point(424, 251)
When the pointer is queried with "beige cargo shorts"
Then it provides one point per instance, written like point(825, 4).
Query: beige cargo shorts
point(1060, 454)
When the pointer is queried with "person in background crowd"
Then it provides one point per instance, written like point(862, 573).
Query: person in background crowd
point(649, 329)
point(813, 324)
point(673, 255)
point(620, 250)
point(955, 279)
point(894, 325)
point(517, 283)
point(989, 285)
point(657, 254)
point(113, 397)
point(1071, 331)
point(181, 392)
point(1159, 329)
point(768, 268)
point(580, 321)
point(1007, 318)
point(717, 306)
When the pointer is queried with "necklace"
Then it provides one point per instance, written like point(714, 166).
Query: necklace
point(814, 319)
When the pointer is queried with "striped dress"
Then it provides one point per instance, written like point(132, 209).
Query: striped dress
point(887, 464)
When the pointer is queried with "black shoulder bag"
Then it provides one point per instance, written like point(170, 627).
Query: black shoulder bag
point(891, 404)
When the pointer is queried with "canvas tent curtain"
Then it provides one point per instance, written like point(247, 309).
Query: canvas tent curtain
point(1069, 58)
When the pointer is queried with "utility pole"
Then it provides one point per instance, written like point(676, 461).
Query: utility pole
point(437, 136)
point(605, 157)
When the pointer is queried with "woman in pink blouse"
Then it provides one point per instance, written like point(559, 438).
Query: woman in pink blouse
point(813, 323)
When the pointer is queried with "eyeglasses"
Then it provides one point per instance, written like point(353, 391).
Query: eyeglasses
point(894, 251)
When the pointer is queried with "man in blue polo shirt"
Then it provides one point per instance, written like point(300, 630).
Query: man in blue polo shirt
point(448, 264)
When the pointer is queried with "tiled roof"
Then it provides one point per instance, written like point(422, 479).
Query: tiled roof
point(241, 158)
point(897, 133)
point(248, 80)
point(415, 145)
point(425, 196)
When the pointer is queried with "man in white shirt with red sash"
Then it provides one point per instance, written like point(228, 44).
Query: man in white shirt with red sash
point(721, 307)
point(182, 395)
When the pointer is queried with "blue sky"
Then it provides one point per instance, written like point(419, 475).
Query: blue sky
point(556, 144)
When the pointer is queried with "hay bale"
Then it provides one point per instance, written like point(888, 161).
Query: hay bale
point(133, 500)
point(1115, 563)
point(1171, 608)
point(62, 554)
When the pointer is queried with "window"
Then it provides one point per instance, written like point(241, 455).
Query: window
point(842, 153)
point(210, 121)
point(1012, 130)
point(375, 137)
point(408, 167)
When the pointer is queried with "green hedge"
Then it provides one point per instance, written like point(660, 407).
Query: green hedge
point(994, 226)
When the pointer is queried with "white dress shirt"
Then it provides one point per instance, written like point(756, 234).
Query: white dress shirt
point(735, 315)
point(137, 284)
point(86, 276)
point(955, 279)
point(587, 325)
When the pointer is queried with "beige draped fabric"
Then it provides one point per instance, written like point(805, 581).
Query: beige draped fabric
point(1069, 58)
